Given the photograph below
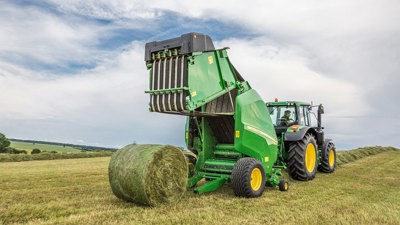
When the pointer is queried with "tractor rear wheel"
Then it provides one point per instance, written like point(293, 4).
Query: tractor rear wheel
point(248, 178)
point(328, 161)
point(302, 158)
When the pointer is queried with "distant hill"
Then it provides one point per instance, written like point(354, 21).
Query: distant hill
point(80, 147)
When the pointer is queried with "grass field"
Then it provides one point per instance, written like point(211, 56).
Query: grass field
point(76, 191)
point(43, 147)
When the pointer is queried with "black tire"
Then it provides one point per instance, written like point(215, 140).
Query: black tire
point(302, 166)
point(190, 157)
point(242, 183)
point(328, 159)
point(283, 185)
point(191, 160)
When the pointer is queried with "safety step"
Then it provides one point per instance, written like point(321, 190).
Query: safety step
point(219, 165)
point(226, 153)
point(226, 147)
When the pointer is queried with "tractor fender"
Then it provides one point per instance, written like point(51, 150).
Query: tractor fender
point(324, 152)
point(296, 136)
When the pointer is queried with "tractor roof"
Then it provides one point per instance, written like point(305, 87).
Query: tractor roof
point(286, 103)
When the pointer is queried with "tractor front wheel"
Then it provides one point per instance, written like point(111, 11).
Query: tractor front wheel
point(302, 158)
point(248, 178)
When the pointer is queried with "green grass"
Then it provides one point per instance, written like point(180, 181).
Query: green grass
point(344, 157)
point(43, 147)
point(5, 157)
point(76, 191)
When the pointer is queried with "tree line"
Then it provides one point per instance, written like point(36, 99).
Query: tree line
point(81, 147)
point(5, 143)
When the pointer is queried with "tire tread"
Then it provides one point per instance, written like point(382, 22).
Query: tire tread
point(296, 158)
point(241, 175)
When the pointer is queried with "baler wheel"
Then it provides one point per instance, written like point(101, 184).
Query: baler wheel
point(328, 163)
point(283, 185)
point(302, 158)
point(248, 178)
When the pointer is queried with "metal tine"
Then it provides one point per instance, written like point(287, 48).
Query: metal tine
point(164, 75)
point(153, 86)
point(176, 82)
point(182, 74)
point(158, 86)
point(170, 83)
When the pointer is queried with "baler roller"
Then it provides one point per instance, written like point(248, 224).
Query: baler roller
point(168, 84)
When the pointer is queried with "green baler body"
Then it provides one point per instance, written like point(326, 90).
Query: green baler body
point(257, 135)
point(226, 118)
point(209, 76)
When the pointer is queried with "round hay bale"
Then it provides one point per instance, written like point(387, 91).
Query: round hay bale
point(148, 174)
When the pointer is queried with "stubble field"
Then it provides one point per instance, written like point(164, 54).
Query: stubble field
point(76, 191)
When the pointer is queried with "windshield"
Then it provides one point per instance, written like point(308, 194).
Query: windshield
point(282, 115)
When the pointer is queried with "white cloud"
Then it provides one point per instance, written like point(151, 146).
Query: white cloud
point(282, 72)
point(343, 54)
point(110, 10)
point(34, 36)
point(288, 17)
point(108, 101)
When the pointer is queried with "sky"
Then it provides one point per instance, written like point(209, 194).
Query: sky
point(73, 71)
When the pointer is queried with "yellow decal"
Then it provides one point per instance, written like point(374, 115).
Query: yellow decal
point(210, 59)
point(193, 93)
point(266, 159)
point(187, 135)
point(261, 133)
point(237, 134)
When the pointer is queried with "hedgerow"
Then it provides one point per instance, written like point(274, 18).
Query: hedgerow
point(51, 156)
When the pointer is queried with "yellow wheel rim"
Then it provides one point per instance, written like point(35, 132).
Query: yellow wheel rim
point(256, 179)
point(310, 157)
point(331, 158)
point(286, 186)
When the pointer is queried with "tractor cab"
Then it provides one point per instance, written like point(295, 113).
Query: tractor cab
point(288, 113)
point(292, 117)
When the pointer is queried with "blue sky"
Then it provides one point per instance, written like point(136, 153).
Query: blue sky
point(73, 71)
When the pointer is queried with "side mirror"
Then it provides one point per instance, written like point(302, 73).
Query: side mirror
point(321, 109)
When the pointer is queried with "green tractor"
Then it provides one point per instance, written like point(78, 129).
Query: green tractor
point(234, 136)
point(303, 148)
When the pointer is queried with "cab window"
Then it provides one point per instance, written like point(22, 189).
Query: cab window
point(280, 115)
point(304, 117)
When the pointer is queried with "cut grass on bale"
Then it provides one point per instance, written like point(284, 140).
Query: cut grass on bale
point(77, 191)
point(148, 174)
